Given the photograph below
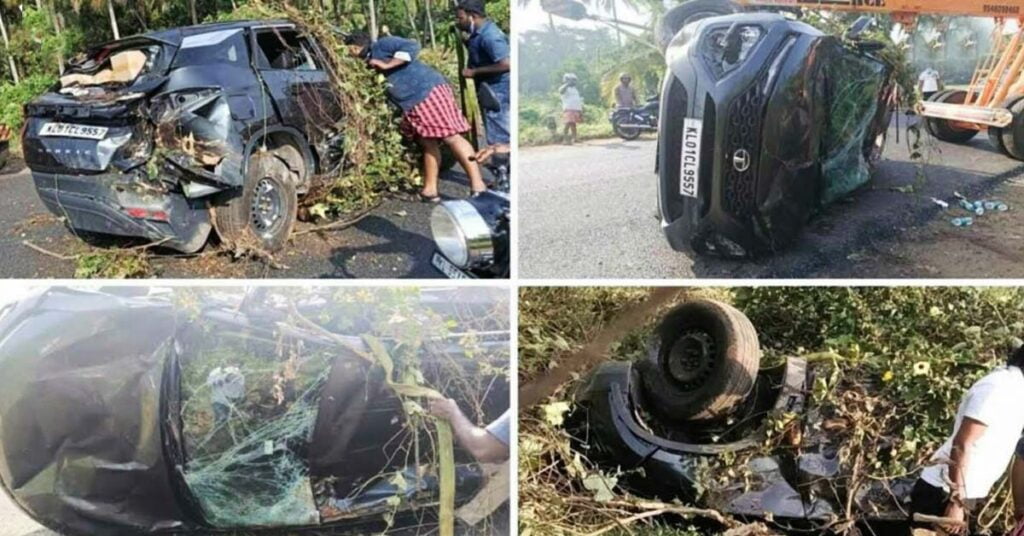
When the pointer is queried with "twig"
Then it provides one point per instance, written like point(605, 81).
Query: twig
point(339, 225)
point(44, 251)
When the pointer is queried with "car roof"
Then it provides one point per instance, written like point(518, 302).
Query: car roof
point(173, 36)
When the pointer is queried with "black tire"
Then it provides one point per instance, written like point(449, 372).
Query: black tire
point(626, 133)
point(1012, 135)
point(703, 364)
point(934, 98)
point(263, 213)
point(946, 130)
point(674, 19)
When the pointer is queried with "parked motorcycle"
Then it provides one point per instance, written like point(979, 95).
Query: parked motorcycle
point(629, 123)
point(472, 235)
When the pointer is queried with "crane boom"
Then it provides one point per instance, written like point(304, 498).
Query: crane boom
point(950, 8)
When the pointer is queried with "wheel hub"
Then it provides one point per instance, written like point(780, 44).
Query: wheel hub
point(691, 360)
point(265, 213)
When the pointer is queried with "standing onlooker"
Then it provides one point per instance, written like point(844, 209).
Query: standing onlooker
point(625, 96)
point(572, 107)
point(929, 83)
point(429, 112)
point(488, 66)
point(988, 426)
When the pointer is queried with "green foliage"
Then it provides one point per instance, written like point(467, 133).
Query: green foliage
point(891, 366)
point(14, 96)
point(112, 264)
point(540, 121)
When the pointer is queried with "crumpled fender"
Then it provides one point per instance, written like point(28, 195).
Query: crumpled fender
point(199, 140)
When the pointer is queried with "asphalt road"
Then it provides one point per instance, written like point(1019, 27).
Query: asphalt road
point(14, 522)
point(590, 211)
point(392, 242)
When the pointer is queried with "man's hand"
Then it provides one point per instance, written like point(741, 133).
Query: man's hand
point(468, 73)
point(444, 408)
point(377, 64)
point(954, 511)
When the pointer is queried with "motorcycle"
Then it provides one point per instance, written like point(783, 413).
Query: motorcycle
point(472, 235)
point(629, 123)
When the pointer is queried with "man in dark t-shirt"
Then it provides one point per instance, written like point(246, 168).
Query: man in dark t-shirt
point(488, 65)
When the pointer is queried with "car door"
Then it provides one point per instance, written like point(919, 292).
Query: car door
point(295, 78)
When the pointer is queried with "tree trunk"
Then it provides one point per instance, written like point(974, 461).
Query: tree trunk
point(412, 20)
point(7, 46)
point(373, 19)
point(56, 28)
point(192, 11)
point(430, 24)
point(113, 19)
point(615, 17)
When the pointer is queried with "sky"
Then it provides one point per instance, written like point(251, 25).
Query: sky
point(532, 17)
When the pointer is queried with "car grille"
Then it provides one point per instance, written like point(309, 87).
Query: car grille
point(743, 133)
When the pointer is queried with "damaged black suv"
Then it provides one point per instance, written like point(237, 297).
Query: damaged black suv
point(765, 119)
point(172, 134)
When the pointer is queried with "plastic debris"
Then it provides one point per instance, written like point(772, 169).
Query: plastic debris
point(962, 222)
point(940, 202)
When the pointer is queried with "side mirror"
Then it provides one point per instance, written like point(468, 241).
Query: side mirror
point(569, 9)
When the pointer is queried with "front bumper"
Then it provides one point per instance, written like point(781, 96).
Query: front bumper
point(758, 173)
point(115, 204)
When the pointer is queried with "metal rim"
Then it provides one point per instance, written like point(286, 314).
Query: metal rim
point(690, 361)
point(266, 212)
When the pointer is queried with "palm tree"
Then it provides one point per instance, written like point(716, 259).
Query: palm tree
point(113, 19)
point(7, 46)
point(192, 11)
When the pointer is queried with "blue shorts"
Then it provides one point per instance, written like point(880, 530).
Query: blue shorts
point(497, 125)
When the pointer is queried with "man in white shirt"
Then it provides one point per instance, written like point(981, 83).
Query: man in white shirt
point(988, 426)
point(930, 82)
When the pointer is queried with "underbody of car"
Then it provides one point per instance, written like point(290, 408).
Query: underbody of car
point(648, 422)
point(134, 414)
point(150, 135)
point(764, 120)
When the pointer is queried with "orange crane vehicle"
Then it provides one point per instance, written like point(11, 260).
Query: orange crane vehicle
point(994, 100)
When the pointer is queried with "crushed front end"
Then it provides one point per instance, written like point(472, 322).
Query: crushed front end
point(749, 143)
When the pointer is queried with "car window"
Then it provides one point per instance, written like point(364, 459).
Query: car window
point(226, 46)
point(286, 49)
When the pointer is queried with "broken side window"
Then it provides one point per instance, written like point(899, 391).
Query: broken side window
point(285, 49)
point(853, 85)
point(225, 46)
point(249, 404)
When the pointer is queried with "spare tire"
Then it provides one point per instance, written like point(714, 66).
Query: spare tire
point(703, 362)
point(674, 19)
point(946, 130)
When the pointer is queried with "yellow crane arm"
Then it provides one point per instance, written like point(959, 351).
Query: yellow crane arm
point(950, 8)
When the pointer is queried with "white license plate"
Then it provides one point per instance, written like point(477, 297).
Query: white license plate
point(68, 130)
point(689, 176)
point(447, 268)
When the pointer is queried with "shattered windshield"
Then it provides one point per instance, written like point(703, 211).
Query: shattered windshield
point(110, 65)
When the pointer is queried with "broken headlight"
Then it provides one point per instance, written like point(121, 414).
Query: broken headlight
point(725, 48)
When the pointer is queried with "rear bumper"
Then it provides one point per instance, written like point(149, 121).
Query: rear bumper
point(101, 204)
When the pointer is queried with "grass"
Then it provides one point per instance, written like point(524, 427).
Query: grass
point(540, 121)
point(899, 362)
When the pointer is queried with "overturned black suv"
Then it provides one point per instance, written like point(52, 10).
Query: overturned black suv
point(764, 120)
point(171, 134)
point(700, 394)
point(130, 411)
